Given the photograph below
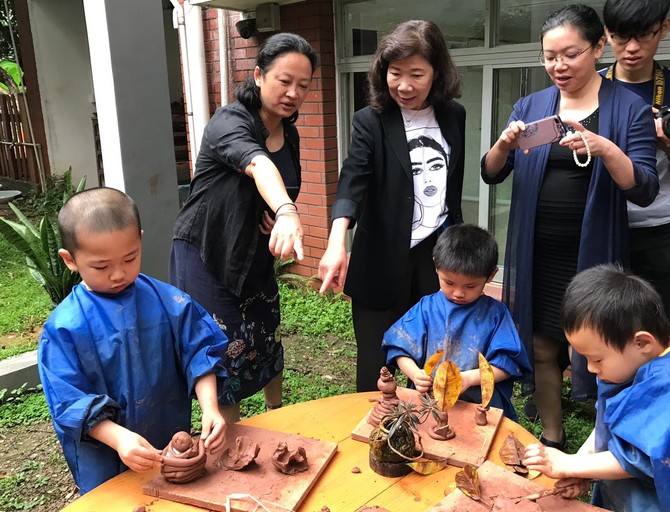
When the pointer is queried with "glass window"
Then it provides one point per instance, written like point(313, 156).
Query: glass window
point(365, 23)
point(520, 21)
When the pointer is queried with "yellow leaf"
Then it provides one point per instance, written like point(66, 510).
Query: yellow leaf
point(432, 362)
point(467, 480)
point(447, 385)
point(428, 467)
point(487, 380)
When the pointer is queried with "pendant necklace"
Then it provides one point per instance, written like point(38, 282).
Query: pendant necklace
point(409, 120)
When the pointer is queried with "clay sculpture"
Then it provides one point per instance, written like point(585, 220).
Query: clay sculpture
point(242, 455)
point(183, 460)
point(288, 461)
point(389, 400)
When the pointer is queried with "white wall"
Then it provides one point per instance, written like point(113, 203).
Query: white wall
point(66, 87)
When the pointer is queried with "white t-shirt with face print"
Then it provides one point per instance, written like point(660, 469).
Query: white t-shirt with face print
point(429, 155)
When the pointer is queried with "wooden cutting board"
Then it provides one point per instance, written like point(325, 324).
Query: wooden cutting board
point(471, 444)
point(260, 480)
point(492, 480)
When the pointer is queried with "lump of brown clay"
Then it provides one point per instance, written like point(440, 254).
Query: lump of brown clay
point(183, 460)
point(288, 461)
point(242, 455)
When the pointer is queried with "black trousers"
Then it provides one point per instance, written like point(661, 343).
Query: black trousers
point(650, 258)
point(371, 323)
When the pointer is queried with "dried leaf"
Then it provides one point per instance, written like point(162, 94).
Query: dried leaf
point(428, 467)
point(432, 362)
point(487, 380)
point(467, 480)
point(447, 385)
point(511, 452)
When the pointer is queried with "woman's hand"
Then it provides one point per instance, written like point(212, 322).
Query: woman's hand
point(333, 267)
point(267, 223)
point(507, 139)
point(286, 237)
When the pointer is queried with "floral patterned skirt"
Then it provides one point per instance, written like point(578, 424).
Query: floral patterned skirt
point(255, 356)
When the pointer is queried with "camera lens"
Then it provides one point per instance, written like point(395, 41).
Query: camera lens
point(664, 115)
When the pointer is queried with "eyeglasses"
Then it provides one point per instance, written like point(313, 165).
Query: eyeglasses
point(642, 37)
point(552, 60)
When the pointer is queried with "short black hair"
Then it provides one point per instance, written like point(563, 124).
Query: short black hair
point(98, 210)
point(582, 18)
point(629, 17)
point(614, 303)
point(466, 249)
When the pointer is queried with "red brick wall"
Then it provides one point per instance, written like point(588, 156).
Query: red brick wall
point(313, 20)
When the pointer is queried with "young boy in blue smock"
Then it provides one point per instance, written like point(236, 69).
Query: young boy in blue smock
point(462, 321)
point(122, 355)
point(617, 321)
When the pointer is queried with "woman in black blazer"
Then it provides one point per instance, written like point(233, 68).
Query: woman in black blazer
point(402, 183)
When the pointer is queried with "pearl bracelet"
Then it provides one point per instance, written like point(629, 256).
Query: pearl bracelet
point(588, 152)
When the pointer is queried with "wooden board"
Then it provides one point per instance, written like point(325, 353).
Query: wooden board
point(471, 444)
point(493, 479)
point(261, 479)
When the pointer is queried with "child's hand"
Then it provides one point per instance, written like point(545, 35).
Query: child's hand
point(422, 382)
point(137, 453)
point(469, 378)
point(572, 487)
point(548, 461)
point(213, 431)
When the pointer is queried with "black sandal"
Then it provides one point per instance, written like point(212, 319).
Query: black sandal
point(553, 444)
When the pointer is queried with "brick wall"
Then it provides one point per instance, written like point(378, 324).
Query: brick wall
point(313, 20)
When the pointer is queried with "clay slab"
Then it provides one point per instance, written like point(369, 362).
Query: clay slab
point(493, 479)
point(471, 444)
point(261, 479)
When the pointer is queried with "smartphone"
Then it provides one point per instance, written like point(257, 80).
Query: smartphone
point(544, 131)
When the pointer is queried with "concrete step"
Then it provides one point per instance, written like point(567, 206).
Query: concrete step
point(18, 370)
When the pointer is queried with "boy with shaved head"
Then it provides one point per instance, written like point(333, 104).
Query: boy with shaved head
point(121, 357)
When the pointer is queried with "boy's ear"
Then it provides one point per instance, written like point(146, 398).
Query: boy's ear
point(68, 259)
point(493, 274)
point(665, 26)
point(645, 342)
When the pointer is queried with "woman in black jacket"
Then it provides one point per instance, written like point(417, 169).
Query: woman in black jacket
point(397, 186)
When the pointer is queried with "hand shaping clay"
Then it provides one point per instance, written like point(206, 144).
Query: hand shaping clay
point(183, 460)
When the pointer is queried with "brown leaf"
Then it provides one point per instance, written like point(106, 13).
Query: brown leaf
point(447, 385)
point(511, 452)
point(467, 480)
point(487, 380)
point(432, 362)
point(428, 467)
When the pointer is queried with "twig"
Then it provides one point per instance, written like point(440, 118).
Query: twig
point(536, 496)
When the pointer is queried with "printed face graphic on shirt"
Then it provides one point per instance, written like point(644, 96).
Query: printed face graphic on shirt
point(430, 165)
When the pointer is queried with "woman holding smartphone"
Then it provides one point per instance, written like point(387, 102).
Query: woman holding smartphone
point(568, 209)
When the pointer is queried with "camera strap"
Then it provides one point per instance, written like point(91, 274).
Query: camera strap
point(659, 83)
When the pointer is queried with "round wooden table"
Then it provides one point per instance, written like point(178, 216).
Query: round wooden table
point(338, 488)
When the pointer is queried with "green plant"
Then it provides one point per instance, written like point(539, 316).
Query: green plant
point(22, 407)
point(40, 244)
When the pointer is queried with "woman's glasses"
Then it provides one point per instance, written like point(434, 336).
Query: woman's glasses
point(565, 58)
point(642, 37)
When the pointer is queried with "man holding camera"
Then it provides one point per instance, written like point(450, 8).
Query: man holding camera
point(634, 29)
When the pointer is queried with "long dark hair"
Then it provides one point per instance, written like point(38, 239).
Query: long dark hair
point(414, 37)
point(275, 46)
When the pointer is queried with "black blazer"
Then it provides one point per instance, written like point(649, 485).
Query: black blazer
point(376, 190)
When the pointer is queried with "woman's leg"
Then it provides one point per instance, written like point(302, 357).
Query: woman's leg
point(272, 392)
point(369, 327)
point(230, 413)
point(548, 387)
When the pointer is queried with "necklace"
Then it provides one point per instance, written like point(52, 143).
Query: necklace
point(408, 120)
point(588, 152)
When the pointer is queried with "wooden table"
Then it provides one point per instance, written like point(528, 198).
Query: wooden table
point(328, 419)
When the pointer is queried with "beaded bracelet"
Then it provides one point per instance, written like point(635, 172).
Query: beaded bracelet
point(286, 204)
point(588, 152)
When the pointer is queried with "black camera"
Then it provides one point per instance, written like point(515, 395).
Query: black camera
point(664, 115)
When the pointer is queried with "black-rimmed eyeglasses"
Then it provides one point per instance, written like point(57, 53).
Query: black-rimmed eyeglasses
point(642, 37)
point(566, 58)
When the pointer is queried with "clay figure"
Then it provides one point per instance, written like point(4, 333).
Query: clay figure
point(183, 460)
point(480, 415)
point(288, 461)
point(441, 430)
point(389, 400)
point(242, 455)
